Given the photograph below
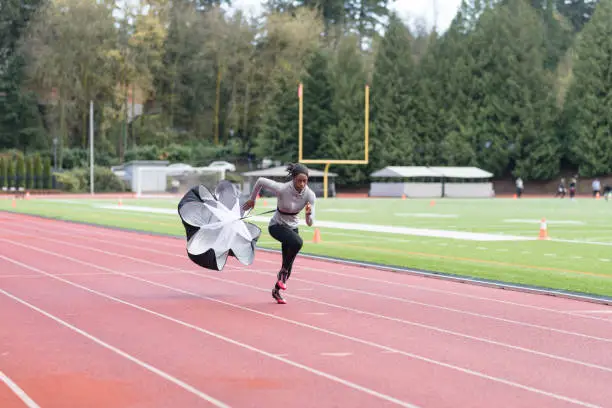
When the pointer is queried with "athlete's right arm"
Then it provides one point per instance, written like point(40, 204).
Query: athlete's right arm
point(268, 184)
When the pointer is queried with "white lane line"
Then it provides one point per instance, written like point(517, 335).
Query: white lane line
point(221, 337)
point(18, 391)
point(316, 328)
point(122, 353)
point(317, 313)
point(337, 354)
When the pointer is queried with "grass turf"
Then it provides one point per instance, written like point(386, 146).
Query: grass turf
point(582, 265)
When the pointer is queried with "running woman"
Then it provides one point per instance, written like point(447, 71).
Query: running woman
point(292, 196)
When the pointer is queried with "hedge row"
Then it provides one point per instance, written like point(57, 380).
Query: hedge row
point(27, 172)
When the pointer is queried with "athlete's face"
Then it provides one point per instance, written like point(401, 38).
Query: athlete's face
point(300, 181)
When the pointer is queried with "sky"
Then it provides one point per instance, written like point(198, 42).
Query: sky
point(408, 10)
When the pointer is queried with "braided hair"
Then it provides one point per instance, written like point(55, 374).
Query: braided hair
point(293, 169)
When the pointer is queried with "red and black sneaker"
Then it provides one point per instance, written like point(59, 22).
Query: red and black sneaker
point(276, 295)
point(282, 279)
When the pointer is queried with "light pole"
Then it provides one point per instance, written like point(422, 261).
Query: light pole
point(55, 154)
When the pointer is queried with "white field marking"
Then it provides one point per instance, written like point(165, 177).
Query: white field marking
point(329, 376)
point(357, 311)
point(425, 232)
point(115, 242)
point(576, 257)
point(29, 402)
point(552, 222)
point(426, 215)
point(482, 248)
point(317, 313)
point(338, 354)
point(390, 239)
point(244, 345)
point(122, 353)
point(575, 241)
point(604, 260)
point(340, 210)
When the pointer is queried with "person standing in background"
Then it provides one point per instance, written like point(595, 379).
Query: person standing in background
point(572, 187)
point(596, 186)
point(519, 187)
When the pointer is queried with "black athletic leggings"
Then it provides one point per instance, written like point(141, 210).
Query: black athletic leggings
point(291, 243)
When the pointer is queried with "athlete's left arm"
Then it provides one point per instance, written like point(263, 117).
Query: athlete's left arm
point(310, 215)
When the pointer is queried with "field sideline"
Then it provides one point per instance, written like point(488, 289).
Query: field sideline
point(487, 239)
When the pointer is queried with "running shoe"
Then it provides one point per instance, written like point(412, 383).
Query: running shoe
point(276, 295)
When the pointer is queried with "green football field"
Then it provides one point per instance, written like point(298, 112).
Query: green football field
point(483, 238)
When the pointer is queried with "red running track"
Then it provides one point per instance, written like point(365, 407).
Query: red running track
point(97, 317)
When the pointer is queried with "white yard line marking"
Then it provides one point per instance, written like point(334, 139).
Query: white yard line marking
point(552, 222)
point(472, 236)
point(18, 391)
point(426, 215)
point(223, 338)
point(122, 353)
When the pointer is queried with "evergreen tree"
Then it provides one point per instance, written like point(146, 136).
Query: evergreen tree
point(588, 107)
point(394, 99)
point(318, 98)
point(513, 126)
point(277, 138)
point(345, 138)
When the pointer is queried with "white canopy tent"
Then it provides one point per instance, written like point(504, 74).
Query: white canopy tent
point(428, 182)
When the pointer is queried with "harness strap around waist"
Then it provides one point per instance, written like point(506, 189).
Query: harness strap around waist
point(285, 213)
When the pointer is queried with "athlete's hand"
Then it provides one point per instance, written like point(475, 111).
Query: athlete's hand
point(248, 205)
point(308, 209)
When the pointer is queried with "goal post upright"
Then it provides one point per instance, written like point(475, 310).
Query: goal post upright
point(329, 162)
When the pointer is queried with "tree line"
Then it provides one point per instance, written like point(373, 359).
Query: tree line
point(517, 87)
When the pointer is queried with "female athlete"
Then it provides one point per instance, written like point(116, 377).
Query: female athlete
point(292, 196)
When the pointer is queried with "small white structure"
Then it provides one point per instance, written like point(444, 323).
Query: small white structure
point(144, 175)
point(430, 182)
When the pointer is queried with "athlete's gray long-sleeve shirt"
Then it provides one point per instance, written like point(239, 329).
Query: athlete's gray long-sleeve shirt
point(289, 201)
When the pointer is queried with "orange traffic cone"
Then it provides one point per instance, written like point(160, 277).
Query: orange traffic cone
point(403, 196)
point(543, 230)
point(14, 204)
point(317, 236)
point(432, 203)
point(120, 202)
